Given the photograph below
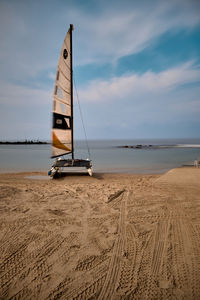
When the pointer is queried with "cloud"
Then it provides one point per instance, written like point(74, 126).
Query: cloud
point(133, 85)
point(27, 40)
point(13, 95)
point(151, 104)
point(31, 37)
point(25, 112)
point(30, 41)
point(128, 29)
point(51, 76)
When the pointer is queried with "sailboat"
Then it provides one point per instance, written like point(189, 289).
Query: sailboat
point(63, 124)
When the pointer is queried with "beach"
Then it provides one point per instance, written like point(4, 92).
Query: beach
point(110, 236)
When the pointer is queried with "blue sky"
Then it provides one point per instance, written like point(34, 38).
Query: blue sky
point(136, 67)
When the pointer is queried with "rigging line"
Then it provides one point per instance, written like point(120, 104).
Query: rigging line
point(82, 120)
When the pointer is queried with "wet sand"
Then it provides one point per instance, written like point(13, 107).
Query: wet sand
point(112, 236)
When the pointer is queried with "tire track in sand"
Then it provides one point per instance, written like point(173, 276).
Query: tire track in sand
point(186, 257)
point(160, 280)
point(87, 287)
point(27, 267)
point(112, 276)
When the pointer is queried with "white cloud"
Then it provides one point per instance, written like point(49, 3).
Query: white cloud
point(31, 36)
point(30, 41)
point(115, 33)
point(52, 76)
point(193, 107)
point(13, 95)
point(130, 105)
point(132, 85)
point(25, 112)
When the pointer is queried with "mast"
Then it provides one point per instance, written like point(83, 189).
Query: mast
point(72, 115)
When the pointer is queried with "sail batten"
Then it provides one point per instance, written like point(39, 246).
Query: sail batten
point(63, 98)
point(64, 65)
point(60, 71)
point(62, 135)
point(62, 101)
point(63, 89)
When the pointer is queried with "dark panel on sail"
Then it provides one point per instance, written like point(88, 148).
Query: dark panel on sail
point(61, 121)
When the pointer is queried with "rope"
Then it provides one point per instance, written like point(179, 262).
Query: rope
point(86, 140)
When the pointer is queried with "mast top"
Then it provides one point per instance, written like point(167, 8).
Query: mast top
point(71, 26)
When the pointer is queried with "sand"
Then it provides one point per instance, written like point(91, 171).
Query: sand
point(105, 237)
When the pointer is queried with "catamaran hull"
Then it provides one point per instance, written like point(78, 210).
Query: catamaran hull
point(68, 165)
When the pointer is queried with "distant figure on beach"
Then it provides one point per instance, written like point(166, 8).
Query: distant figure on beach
point(197, 163)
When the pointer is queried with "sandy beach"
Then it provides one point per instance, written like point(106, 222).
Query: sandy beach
point(112, 236)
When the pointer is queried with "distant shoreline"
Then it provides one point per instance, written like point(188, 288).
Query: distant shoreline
point(158, 146)
point(23, 143)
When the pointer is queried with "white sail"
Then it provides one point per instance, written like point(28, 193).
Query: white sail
point(62, 129)
point(62, 119)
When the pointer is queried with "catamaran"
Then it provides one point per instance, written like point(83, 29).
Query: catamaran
point(63, 125)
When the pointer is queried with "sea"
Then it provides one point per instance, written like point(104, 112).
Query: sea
point(107, 155)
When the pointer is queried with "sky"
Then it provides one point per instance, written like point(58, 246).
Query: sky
point(136, 67)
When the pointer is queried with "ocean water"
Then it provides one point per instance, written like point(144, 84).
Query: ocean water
point(105, 155)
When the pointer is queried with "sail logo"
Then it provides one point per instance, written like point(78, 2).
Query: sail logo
point(61, 121)
point(65, 53)
point(58, 121)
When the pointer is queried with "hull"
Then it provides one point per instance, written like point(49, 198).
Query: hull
point(62, 166)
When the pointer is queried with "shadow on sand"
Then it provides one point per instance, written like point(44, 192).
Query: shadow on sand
point(63, 175)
